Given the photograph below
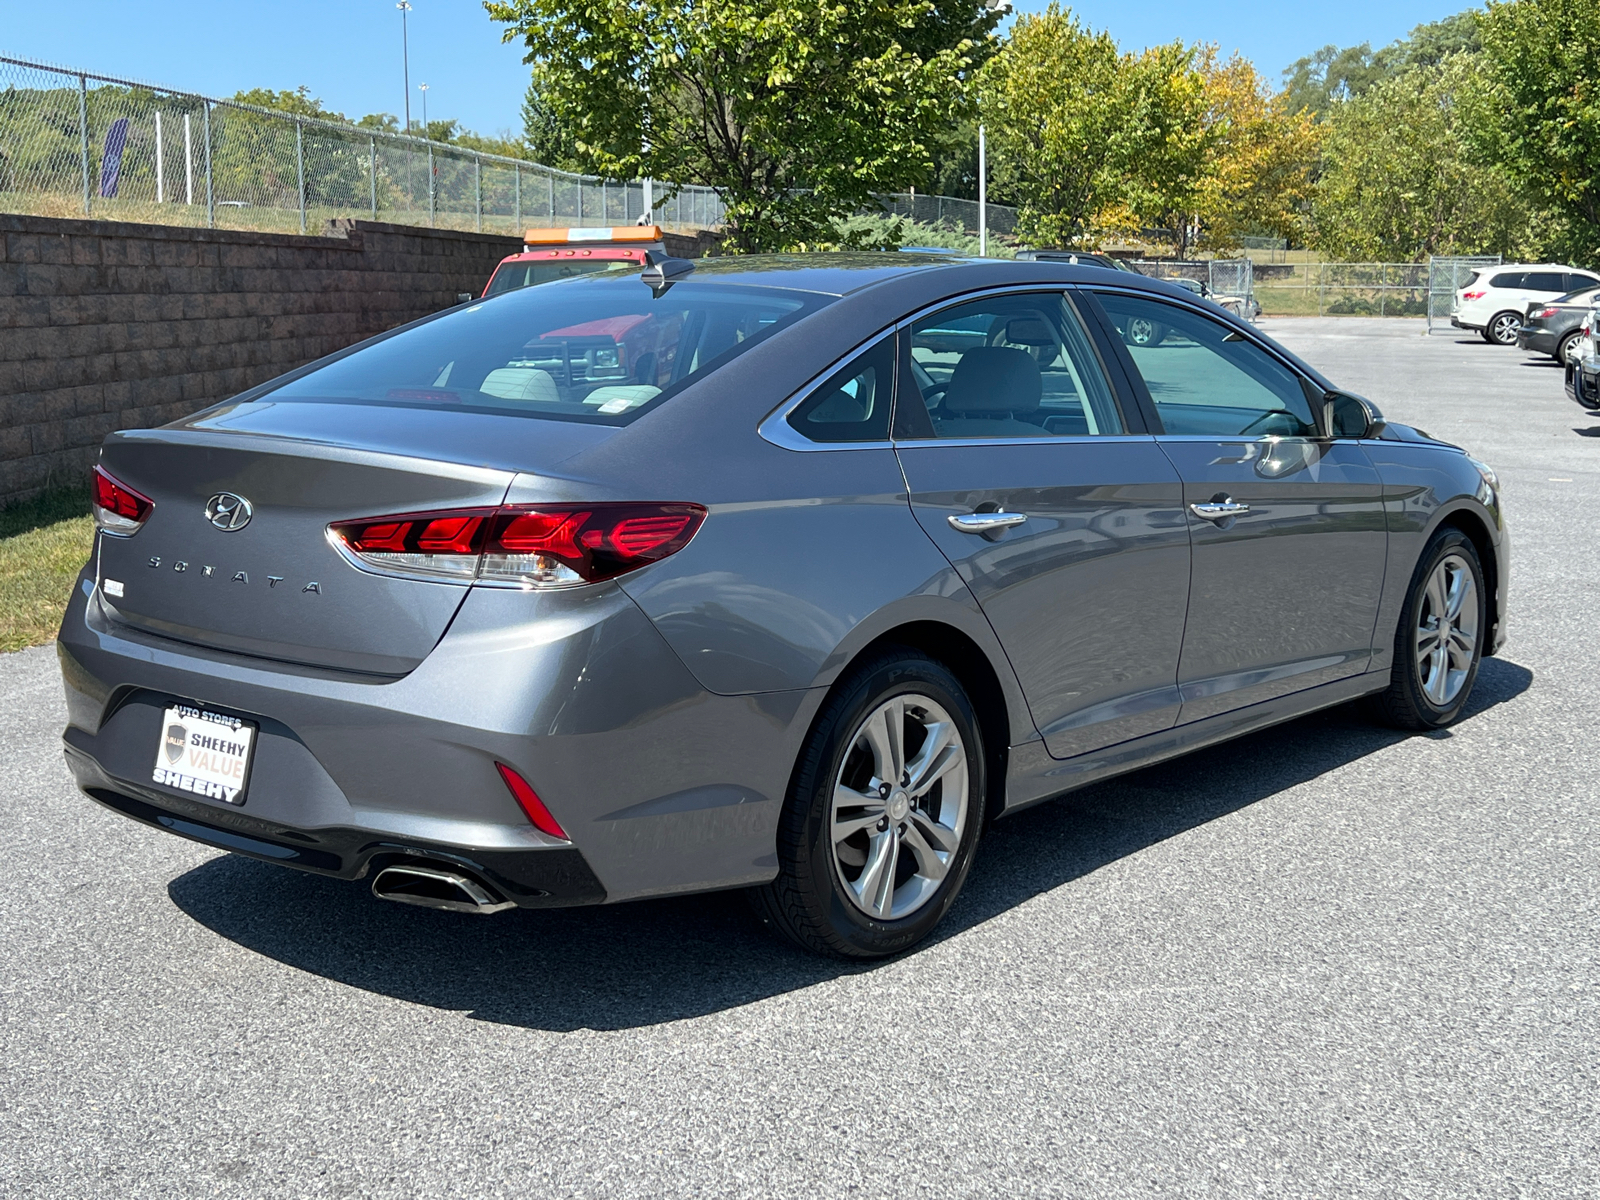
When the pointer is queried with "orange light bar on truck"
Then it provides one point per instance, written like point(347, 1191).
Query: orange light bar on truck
point(613, 233)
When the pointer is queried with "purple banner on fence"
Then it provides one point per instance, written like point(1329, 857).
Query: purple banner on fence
point(111, 161)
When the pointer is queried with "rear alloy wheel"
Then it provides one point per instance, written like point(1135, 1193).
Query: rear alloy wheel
point(1142, 331)
point(1440, 640)
point(1502, 329)
point(1566, 346)
point(883, 815)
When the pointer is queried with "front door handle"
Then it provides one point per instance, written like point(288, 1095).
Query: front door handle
point(986, 522)
point(1222, 508)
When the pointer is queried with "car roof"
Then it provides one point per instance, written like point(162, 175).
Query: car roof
point(843, 273)
point(1546, 266)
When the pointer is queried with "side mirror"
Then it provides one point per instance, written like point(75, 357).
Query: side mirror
point(1350, 416)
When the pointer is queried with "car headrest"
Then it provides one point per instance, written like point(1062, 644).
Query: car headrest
point(1029, 331)
point(994, 379)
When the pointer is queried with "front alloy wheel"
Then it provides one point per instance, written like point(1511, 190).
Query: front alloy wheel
point(1439, 643)
point(883, 813)
point(1446, 636)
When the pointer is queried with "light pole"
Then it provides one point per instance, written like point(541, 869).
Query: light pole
point(423, 88)
point(1002, 7)
point(405, 56)
point(983, 194)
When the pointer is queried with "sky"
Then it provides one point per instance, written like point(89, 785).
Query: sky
point(348, 52)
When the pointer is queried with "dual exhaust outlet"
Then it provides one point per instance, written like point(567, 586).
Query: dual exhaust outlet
point(430, 886)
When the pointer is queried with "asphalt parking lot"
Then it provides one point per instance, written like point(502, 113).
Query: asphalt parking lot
point(1326, 960)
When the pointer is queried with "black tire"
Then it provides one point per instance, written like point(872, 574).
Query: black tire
point(1406, 704)
point(1564, 347)
point(1142, 331)
point(1501, 329)
point(807, 902)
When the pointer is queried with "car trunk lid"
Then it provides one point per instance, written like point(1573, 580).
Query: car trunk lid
point(272, 585)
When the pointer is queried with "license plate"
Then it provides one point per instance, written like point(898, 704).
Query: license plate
point(204, 753)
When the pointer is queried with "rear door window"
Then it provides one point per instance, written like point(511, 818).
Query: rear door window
point(1546, 281)
point(1015, 366)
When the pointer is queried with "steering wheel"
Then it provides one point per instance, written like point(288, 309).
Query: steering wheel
point(1266, 416)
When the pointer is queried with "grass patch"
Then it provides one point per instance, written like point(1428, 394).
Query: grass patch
point(44, 543)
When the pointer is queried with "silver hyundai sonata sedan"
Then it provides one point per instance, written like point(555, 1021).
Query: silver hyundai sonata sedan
point(788, 574)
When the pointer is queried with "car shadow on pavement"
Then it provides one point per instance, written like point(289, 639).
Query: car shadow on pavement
point(654, 961)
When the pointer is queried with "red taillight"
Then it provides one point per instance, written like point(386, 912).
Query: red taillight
point(527, 545)
point(1544, 312)
point(1473, 295)
point(117, 507)
point(530, 803)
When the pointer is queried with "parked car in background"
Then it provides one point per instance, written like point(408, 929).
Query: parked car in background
point(551, 254)
point(880, 547)
point(1494, 300)
point(1247, 307)
point(1553, 327)
point(1583, 367)
point(1076, 258)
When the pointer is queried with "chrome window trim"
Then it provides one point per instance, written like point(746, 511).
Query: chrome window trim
point(775, 428)
point(1051, 440)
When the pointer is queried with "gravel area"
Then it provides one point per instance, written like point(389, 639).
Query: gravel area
point(1325, 960)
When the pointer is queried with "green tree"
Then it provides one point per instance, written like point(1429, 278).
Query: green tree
point(1060, 107)
point(1174, 138)
point(1399, 182)
point(1320, 80)
point(794, 112)
point(1537, 110)
point(549, 139)
point(1261, 161)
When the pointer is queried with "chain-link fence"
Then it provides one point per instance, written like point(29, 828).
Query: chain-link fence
point(1342, 289)
point(76, 144)
point(950, 212)
point(1231, 281)
point(1447, 276)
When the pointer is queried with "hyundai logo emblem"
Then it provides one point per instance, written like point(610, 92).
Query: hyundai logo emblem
point(228, 512)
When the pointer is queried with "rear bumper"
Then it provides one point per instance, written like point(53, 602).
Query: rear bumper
point(547, 878)
point(1460, 324)
point(1541, 341)
point(661, 786)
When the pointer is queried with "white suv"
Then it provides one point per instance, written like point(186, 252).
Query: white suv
point(1495, 298)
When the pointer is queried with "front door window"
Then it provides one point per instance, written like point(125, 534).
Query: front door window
point(1206, 378)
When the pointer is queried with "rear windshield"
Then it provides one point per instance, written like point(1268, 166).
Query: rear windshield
point(599, 350)
point(511, 276)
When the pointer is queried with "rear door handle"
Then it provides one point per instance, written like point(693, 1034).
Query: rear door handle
point(1219, 510)
point(986, 522)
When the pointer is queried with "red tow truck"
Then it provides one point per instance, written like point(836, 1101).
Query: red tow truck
point(551, 254)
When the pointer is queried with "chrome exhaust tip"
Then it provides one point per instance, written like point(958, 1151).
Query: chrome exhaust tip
point(436, 887)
